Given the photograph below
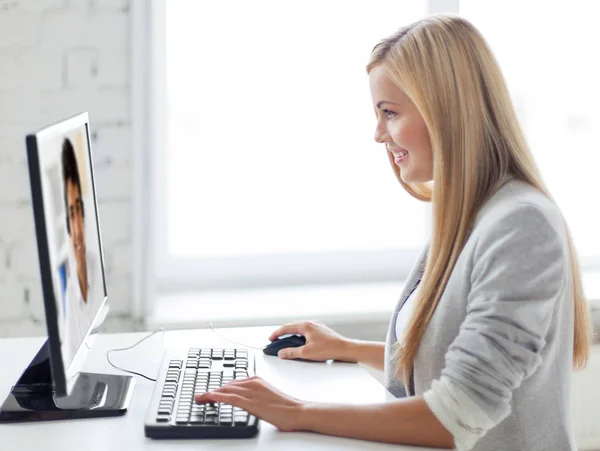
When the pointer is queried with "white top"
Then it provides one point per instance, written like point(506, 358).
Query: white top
point(80, 313)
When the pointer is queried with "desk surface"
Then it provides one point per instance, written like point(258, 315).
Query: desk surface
point(326, 382)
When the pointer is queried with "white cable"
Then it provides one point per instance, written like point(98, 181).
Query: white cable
point(130, 347)
point(231, 341)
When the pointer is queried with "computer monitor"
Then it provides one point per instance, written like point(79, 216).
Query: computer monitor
point(73, 280)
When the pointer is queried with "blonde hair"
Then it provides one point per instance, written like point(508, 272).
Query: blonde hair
point(447, 69)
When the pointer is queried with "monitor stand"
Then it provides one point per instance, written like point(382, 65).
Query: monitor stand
point(93, 395)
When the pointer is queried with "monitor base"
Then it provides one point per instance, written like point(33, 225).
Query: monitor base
point(93, 395)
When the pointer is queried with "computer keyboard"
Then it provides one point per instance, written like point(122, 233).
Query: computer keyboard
point(173, 413)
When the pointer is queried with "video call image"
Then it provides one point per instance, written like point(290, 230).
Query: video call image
point(72, 236)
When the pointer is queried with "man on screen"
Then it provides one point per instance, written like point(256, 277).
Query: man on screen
point(80, 305)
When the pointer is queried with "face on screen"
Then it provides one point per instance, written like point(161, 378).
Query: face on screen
point(77, 231)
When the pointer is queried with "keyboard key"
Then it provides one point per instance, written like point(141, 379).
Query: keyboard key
point(240, 419)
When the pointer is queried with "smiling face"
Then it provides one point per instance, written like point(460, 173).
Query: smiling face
point(401, 128)
point(76, 224)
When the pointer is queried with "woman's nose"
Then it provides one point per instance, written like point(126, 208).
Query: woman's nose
point(379, 135)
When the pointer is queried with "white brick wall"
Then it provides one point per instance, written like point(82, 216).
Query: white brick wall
point(58, 58)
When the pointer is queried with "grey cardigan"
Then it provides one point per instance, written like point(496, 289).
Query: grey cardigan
point(503, 329)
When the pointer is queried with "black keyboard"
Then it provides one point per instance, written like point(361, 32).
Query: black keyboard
point(173, 413)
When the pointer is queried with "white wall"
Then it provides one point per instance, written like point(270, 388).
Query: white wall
point(58, 58)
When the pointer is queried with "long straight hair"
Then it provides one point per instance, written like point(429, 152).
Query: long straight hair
point(447, 69)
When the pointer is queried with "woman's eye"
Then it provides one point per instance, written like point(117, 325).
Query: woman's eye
point(389, 114)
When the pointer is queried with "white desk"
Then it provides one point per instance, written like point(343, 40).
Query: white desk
point(328, 382)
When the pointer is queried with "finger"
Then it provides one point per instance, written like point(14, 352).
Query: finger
point(291, 328)
point(291, 353)
point(227, 398)
point(241, 390)
point(240, 381)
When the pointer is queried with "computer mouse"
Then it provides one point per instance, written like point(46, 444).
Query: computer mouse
point(285, 341)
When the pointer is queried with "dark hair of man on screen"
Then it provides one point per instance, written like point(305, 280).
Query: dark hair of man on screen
point(75, 212)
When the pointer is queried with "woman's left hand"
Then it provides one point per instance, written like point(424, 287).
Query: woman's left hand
point(260, 399)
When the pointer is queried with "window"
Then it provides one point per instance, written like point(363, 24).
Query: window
point(272, 172)
point(270, 175)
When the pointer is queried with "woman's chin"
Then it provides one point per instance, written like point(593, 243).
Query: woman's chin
point(409, 178)
point(406, 176)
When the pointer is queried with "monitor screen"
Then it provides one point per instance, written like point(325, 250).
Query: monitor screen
point(74, 250)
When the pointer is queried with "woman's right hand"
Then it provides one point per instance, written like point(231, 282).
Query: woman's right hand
point(322, 343)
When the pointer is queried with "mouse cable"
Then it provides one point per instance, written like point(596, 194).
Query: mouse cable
point(231, 341)
point(130, 347)
point(162, 330)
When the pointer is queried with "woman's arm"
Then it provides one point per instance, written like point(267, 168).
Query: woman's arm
point(368, 352)
point(520, 272)
point(406, 421)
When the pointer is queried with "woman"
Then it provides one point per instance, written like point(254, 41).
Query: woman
point(480, 354)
